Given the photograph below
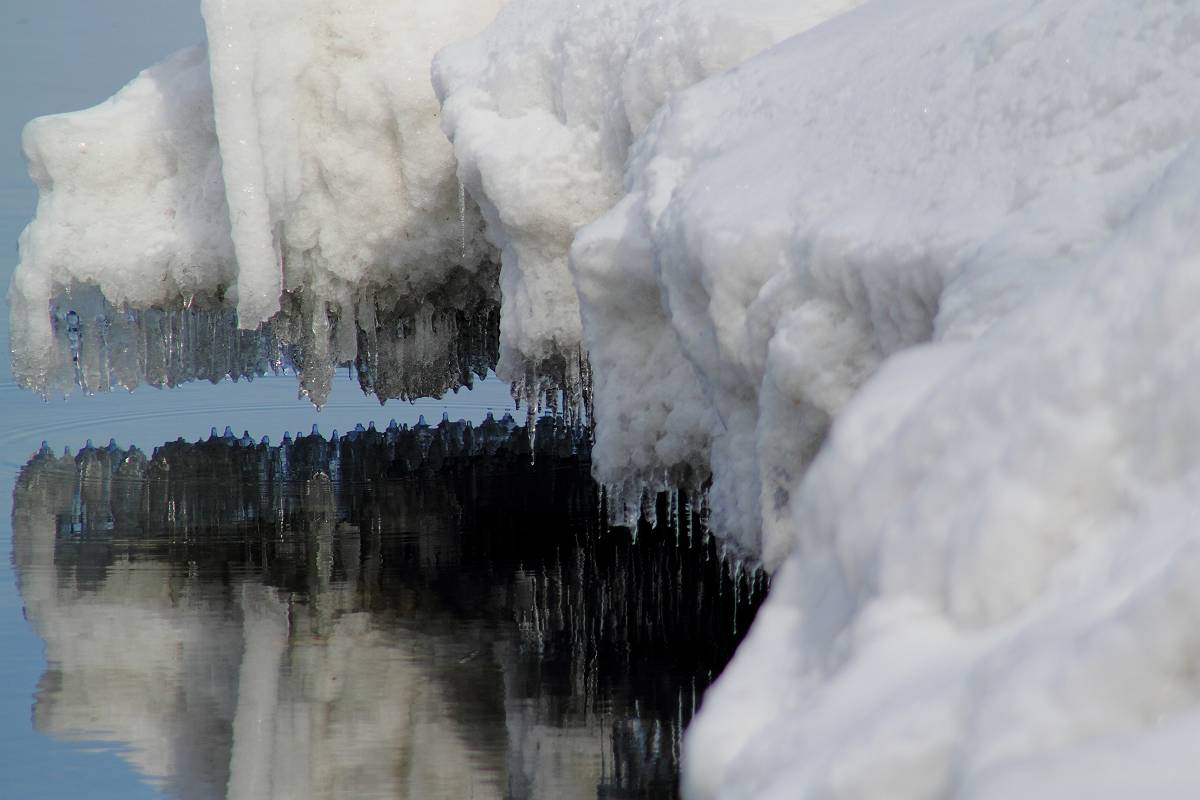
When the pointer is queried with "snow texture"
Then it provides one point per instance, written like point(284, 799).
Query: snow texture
point(904, 173)
point(299, 151)
point(130, 199)
point(968, 239)
point(543, 108)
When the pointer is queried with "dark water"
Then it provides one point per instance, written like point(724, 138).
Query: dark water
point(424, 612)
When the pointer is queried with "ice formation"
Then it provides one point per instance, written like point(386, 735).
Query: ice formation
point(401, 348)
point(543, 107)
point(298, 154)
point(914, 286)
point(971, 244)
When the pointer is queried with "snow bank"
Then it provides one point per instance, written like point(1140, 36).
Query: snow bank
point(300, 153)
point(992, 576)
point(543, 107)
point(906, 172)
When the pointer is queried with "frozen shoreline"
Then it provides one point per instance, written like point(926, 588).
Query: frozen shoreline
point(913, 287)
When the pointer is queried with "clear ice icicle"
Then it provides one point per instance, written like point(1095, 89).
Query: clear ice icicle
point(462, 220)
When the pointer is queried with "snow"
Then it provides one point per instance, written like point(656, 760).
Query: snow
point(971, 246)
point(329, 131)
point(296, 152)
point(129, 199)
point(915, 286)
point(936, 167)
point(543, 107)
point(232, 49)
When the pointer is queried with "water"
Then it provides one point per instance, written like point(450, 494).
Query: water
point(363, 626)
point(34, 763)
point(443, 617)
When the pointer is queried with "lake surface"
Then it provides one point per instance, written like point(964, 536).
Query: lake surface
point(407, 612)
point(404, 610)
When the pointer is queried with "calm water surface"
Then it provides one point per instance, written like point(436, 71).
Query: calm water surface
point(417, 612)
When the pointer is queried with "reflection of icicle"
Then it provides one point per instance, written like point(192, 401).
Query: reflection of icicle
point(314, 510)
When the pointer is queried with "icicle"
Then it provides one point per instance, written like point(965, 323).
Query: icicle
point(649, 506)
point(737, 592)
point(451, 337)
point(462, 220)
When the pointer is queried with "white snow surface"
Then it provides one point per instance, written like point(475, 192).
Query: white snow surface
point(906, 172)
point(335, 164)
point(130, 198)
point(968, 237)
point(542, 108)
point(300, 150)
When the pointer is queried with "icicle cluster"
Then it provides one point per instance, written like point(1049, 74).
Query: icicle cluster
point(400, 349)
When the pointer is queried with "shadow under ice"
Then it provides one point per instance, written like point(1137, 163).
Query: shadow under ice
point(414, 612)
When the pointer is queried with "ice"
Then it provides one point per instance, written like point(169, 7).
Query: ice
point(130, 200)
point(904, 293)
point(296, 159)
point(543, 108)
point(402, 350)
point(233, 56)
point(938, 305)
point(782, 236)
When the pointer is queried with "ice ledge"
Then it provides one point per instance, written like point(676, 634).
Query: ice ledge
point(400, 349)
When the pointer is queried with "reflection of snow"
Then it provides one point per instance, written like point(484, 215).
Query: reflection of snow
point(137, 654)
point(232, 691)
point(271, 641)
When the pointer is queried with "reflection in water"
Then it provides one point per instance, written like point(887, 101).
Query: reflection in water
point(422, 612)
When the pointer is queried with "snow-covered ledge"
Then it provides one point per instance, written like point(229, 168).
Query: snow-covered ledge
point(295, 160)
point(915, 286)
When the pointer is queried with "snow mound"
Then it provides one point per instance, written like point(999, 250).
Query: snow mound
point(941, 299)
point(298, 154)
point(543, 107)
point(904, 173)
